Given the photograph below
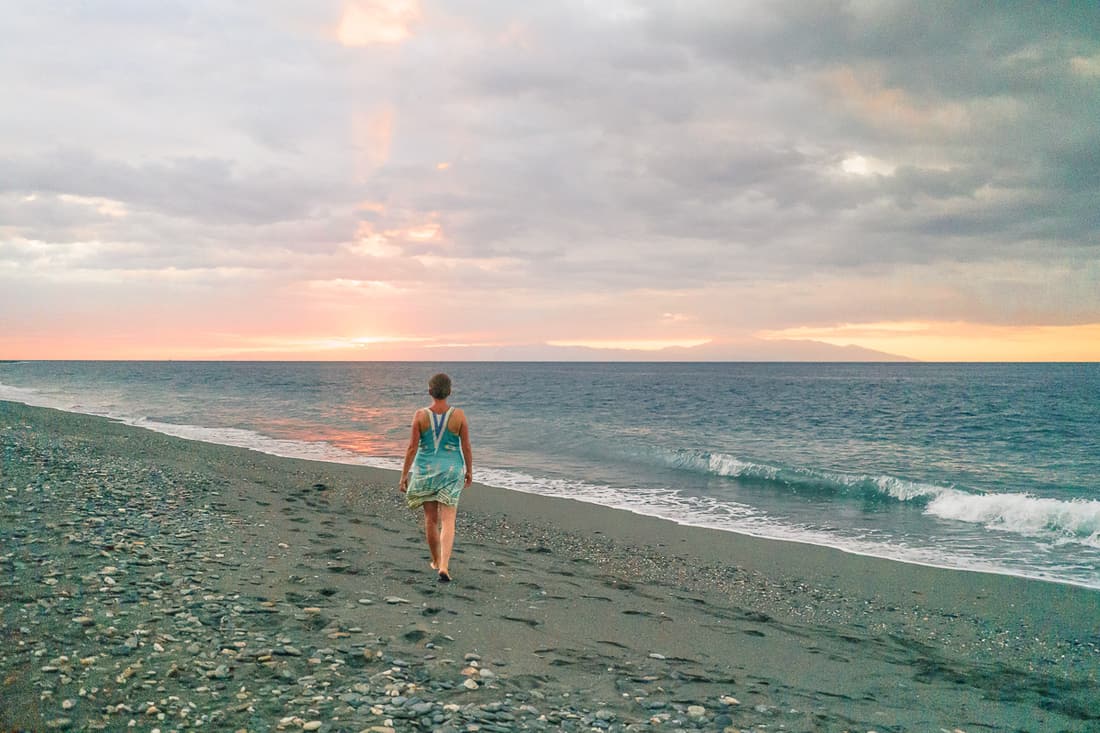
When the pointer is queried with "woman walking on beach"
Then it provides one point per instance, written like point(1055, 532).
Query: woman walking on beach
point(438, 465)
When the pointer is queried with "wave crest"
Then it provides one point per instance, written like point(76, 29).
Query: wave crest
point(807, 479)
point(1076, 520)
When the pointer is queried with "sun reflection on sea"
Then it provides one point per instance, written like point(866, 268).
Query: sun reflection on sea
point(363, 442)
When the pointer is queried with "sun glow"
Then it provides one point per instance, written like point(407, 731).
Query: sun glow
point(371, 22)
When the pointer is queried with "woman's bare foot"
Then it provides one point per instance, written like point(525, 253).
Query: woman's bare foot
point(444, 576)
point(433, 565)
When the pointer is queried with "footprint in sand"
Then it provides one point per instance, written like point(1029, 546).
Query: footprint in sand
point(414, 635)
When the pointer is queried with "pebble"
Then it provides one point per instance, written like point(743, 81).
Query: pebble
point(311, 725)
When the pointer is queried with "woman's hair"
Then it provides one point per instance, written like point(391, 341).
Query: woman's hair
point(439, 386)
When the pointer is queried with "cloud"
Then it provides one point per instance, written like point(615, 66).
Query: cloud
point(203, 189)
point(373, 132)
point(576, 171)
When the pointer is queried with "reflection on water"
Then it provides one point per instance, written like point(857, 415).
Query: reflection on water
point(362, 442)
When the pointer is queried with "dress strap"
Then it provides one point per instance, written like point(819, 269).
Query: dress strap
point(439, 424)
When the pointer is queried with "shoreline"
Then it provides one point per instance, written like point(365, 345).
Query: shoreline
point(186, 433)
point(633, 616)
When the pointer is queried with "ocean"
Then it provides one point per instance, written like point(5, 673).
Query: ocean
point(992, 467)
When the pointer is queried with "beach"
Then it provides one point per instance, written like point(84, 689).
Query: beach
point(159, 583)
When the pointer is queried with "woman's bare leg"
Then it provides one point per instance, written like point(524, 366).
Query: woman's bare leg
point(446, 537)
point(431, 530)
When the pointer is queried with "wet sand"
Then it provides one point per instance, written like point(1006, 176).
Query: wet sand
point(253, 592)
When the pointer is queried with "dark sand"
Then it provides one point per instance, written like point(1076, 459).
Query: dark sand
point(585, 617)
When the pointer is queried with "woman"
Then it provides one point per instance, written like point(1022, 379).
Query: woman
point(439, 471)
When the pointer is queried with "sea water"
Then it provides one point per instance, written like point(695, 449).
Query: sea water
point(991, 467)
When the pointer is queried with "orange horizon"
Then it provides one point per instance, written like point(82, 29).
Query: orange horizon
point(922, 341)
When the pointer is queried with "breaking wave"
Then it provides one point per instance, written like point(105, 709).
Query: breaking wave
point(1076, 520)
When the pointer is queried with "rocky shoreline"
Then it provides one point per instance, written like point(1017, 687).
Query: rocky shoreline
point(117, 615)
point(153, 584)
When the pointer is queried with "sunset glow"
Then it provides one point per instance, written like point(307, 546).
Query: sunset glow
point(369, 22)
point(960, 341)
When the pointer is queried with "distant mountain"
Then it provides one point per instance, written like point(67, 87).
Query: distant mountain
point(741, 350)
point(778, 350)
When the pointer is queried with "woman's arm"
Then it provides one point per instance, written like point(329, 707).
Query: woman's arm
point(410, 452)
point(467, 452)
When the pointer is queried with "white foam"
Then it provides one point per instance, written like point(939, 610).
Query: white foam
point(1077, 520)
point(282, 447)
point(24, 395)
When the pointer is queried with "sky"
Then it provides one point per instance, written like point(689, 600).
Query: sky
point(409, 179)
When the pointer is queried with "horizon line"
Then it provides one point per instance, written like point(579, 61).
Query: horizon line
point(907, 360)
